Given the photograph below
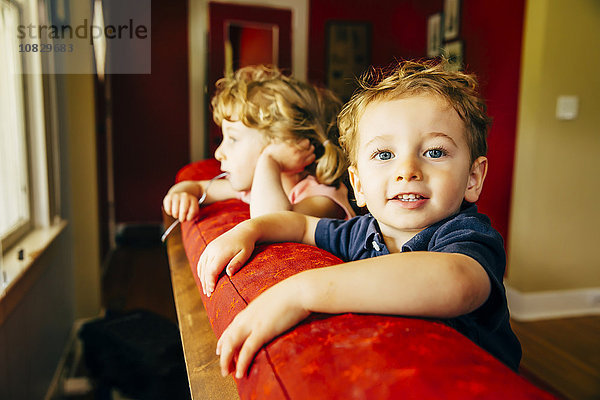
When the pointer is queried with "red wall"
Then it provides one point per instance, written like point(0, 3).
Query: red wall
point(151, 119)
point(492, 34)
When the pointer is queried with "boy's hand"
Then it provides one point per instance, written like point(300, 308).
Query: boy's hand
point(291, 157)
point(181, 205)
point(273, 312)
point(231, 250)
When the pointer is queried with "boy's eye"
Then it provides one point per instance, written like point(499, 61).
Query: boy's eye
point(435, 153)
point(383, 155)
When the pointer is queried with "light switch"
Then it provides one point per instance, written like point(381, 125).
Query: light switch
point(567, 107)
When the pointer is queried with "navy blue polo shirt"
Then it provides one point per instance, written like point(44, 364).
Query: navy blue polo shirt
point(467, 232)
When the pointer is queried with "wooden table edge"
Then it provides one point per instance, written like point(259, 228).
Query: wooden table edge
point(197, 337)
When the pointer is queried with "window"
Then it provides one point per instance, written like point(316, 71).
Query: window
point(14, 171)
point(29, 181)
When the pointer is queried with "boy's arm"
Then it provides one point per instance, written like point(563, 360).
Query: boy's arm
point(232, 249)
point(427, 284)
point(181, 201)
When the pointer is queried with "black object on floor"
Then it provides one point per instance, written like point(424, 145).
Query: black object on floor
point(139, 353)
point(139, 235)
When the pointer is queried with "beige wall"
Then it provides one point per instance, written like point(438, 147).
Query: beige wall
point(555, 215)
point(81, 207)
point(84, 193)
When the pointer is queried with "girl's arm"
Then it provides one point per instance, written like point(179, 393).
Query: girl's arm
point(319, 206)
point(427, 284)
point(231, 250)
point(181, 201)
point(268, 193)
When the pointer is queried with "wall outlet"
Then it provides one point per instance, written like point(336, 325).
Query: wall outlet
point(567, 107)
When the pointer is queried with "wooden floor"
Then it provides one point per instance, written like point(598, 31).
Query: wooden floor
point(561, 355)
point(138, 277)
point(564, 354)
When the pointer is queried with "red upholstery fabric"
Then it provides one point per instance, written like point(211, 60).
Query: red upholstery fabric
point(346, 356)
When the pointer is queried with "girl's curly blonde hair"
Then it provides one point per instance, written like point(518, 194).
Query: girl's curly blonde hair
point(284, 109)
point(411, 78)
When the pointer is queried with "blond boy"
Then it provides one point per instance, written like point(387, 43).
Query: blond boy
point(416, 141)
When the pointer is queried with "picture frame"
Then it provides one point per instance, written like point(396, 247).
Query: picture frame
point(348, 55)
point(454, 53)
point(434, 35)
point(451, 19)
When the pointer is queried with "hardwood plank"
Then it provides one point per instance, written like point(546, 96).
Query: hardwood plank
point(139, 278)
point(560, 332)
point(197, 336)
point(564, 354)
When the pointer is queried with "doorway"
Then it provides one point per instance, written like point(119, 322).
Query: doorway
point(241, 36)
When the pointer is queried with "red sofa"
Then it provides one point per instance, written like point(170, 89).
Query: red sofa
point(348, 356)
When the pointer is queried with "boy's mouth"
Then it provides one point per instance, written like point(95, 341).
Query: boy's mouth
point(409, 197)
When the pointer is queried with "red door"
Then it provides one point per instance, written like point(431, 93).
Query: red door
point(253, 32)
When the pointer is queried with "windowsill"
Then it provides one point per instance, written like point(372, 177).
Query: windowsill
point(17, 276)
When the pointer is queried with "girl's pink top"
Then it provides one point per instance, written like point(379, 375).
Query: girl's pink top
point(309, 187)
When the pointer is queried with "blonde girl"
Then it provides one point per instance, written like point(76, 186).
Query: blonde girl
point(280, 149)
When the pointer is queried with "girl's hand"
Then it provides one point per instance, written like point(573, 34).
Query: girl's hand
point(231, 250)
point(291, 157)
point(181, 205)
point(273, 312)
point(181, 201)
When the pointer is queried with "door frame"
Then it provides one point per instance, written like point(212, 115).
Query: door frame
point(198, 67)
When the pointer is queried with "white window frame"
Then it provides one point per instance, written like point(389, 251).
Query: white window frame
point(41, 131)
point(16, 210)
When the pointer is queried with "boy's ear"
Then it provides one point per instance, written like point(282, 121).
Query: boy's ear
point(355, 182)
point(476, 178)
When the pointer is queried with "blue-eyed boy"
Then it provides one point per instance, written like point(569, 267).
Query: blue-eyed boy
point(416, 141)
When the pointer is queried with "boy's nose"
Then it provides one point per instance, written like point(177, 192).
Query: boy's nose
point(409, 170)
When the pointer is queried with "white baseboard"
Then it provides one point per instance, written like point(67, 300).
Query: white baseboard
point(529, 306)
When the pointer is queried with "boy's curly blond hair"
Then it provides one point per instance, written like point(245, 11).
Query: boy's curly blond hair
point(284, 109)
point(411, 78)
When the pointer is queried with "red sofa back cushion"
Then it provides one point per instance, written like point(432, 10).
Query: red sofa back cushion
point(348, 356)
